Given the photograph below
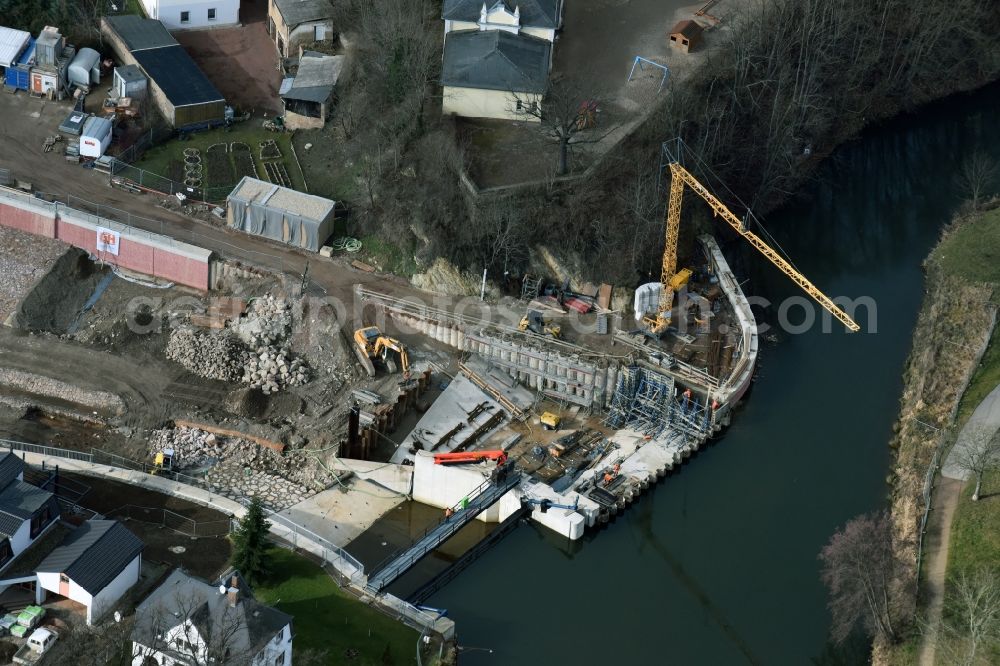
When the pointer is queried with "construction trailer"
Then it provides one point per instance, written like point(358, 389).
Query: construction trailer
point(279, 213)
point(96, 137)
point(179, 90)
point(85, 70)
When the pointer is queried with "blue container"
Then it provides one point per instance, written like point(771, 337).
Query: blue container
point(18, 75)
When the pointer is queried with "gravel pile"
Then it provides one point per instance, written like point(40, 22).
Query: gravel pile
point(214, 355)
point(240, 468)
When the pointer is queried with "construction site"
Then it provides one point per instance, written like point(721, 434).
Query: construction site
point(556, 403)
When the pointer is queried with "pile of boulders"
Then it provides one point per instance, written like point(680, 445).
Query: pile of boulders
point(254, 350)
point(271, 369)
point(265, 330)
point(219, 355)
point(240, 468)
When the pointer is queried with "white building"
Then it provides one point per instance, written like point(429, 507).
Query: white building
point(95, 566)
point(26, 511)
point(186, 620)
point(538, 18)
point(186, 14)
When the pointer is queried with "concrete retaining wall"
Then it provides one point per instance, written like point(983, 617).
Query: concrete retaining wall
point(139, 251)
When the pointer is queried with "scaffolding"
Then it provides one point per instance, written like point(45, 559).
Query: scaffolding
point(645, 401)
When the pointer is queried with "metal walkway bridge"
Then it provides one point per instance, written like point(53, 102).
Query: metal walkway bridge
point(477, 501)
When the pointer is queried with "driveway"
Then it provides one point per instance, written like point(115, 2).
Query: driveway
point(242, 61)
point(988, 414)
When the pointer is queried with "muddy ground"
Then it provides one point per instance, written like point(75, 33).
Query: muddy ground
point(204, 556)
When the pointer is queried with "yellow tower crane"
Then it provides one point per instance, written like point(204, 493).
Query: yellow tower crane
point(670, 278)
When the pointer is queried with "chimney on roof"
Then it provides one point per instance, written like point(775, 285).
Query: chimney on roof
point(233, 593)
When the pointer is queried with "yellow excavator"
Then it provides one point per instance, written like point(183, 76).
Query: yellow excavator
point(672, 280)
point(534, 322)
point(372, 344)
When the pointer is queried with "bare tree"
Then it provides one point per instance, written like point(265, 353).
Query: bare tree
point(977, 453)
point(970, 629)
point(860, 569)
point(975, 175)
point(568, 115)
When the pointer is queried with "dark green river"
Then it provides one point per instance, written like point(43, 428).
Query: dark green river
point(717, 564)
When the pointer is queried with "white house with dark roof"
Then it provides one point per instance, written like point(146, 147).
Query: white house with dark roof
point(186, 14)
point(94, 566)
point(186, 620)
point(538, 18)
point(494, 74)
point(497, 56)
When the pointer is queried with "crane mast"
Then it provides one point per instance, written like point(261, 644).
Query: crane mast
point(681, 177)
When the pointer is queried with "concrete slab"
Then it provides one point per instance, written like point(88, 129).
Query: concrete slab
point(340, 515)
point(449, 411)
point(502, 383)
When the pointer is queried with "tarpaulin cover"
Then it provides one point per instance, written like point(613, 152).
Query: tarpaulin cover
point(265, 210)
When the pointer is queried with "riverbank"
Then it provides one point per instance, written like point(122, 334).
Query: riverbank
point(953, 333)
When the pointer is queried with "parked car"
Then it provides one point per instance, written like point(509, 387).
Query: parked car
point(35, 648)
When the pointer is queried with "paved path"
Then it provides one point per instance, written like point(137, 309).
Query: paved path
point(988, 414)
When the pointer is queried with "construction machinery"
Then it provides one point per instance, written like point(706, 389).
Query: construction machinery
point(467, 457)
point(372, 344)
point(534, 322)
point(550, 421)
point(669, 276)
point(163, 461)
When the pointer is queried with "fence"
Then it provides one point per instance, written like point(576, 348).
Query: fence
point(171, 520)
point(158, 183)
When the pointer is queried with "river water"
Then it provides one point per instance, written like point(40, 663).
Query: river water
point(718, 563)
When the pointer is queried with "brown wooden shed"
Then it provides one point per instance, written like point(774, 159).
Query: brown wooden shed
point(685, 36)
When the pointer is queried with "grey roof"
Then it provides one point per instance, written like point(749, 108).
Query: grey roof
point(10, 523)
point(309, 206)
point(93, 554)
point(97, 128)
point(177, 75)
point(495, 60)
point(10, 467)
point(316, 77)
point(295, 12)
point(534, 13)
point(249, 624)
point(130, 73)
point(12, 43)
point(140, 33)
point(23, 499)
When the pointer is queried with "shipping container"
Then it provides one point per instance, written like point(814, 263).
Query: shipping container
point(18, 75)
point(49, 46)
point(43, 81)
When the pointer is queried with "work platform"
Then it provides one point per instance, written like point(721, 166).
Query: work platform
point(504, 479)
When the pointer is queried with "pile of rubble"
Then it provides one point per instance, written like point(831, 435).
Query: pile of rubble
point(255, 350)
point(214, 355)
point(265, 330)
point(240, 468)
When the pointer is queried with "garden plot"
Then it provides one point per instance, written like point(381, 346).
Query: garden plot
point(219, 171)
point(243, 159)
point(277, 174)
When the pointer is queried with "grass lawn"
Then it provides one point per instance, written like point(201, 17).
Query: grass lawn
point(328, 619)
point(984, 380)
point(167, 159)
point(975, 530)
point(973, 250)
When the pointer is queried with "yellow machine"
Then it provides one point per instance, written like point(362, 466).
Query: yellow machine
point(533, 321)
point(671, 279)
point(163, 461)
point(373, 344)
point(550, 421)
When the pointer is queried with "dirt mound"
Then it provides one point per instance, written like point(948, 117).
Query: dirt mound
point(57, 300)
point(246, 402)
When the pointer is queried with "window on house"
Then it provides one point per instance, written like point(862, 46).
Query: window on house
point(185, 17)
point(520, 105)
point(534, 107)
point(63, 578)
point(279, 660)
point(211, 14)
point(182, 644)
point(320, 33)
point(39, 520)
